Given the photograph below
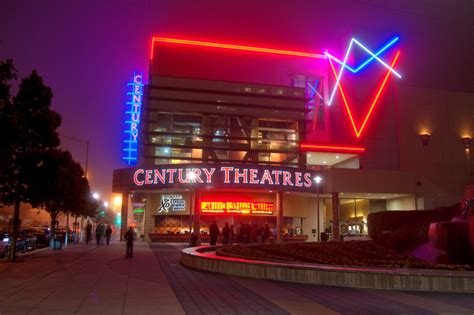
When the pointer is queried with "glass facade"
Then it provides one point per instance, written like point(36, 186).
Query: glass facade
point(208, 133)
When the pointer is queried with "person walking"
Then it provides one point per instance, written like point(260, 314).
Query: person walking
point(88, 232)
point(129, 238)
point(98, 233)
point(108, 234)
point(266, 233)
point(226, 234)
point(103, 234)
point(232, 235)
point(213, 233)
point(259, 232)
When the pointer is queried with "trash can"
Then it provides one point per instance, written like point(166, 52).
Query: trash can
point(324, 237)
point(56, 244)
point(194, 240)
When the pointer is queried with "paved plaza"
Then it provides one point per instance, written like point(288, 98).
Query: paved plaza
point(99, 280)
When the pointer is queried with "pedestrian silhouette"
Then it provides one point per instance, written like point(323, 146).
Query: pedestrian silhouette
point(225, 234)
point(129, 237)
point(98, 233)
point(88, 232)
point(108, 234)
point(213, 233)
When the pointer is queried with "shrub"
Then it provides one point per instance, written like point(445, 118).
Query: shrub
point(405, 230)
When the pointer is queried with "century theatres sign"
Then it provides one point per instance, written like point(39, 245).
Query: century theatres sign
point(215, 176)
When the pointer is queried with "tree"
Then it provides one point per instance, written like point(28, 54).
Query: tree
point(7, 74)
point(61, 186)
point(30, 130)
point(106, 216)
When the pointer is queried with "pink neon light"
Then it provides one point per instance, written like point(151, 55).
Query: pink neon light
point(233, 47)
point(330, 148)
point(358, 132)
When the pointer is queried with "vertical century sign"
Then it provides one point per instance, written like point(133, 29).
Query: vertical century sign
point(132, 122)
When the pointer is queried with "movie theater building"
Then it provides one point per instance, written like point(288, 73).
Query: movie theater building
point(240, 134)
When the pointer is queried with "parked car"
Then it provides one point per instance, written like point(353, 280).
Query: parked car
point(42, 234)
point(21, 245)
point(3, 246)
point(29, 238)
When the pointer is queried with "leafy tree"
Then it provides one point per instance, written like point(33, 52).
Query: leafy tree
point(61, 186)
point(7, 74)
point(28, 129)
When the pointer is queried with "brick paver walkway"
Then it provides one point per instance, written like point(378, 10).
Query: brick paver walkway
point(209, 293)
point(99, 280)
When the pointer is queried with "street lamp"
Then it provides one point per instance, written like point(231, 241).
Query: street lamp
point(95, 196)
point(106, 204)
point(318, 180)
point(86, 142)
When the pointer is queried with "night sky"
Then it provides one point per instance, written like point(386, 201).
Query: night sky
point(86, 50)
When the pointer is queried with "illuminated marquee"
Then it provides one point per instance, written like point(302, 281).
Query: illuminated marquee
point(229, 175)
point(133, 119)
point(210, 176)
point(236, 207)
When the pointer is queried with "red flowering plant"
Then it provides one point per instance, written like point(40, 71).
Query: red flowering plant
point(467, 208)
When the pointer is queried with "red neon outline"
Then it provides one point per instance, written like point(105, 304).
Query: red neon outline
point(374, 102)
point(330, 148)
point(233, 47)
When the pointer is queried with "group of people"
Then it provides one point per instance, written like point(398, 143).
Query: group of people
point(104, 233)
point(101, 233)
point(243, 233)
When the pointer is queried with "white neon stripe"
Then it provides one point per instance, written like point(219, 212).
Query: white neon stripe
point(340, 72)
point(377, 58)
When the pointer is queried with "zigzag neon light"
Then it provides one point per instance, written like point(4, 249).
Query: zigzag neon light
point(374, 56)
point(359, 131)
point(365, 63)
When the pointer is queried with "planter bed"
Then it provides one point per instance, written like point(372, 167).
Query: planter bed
point(350, 253)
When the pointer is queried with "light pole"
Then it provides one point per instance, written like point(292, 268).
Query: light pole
point(318, 180)
point(85, 175)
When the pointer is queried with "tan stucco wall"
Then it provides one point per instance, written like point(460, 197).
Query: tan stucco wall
point(443, 167)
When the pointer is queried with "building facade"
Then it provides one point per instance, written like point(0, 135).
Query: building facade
point(238, 134)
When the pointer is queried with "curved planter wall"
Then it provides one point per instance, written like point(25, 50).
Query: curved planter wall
point(374, 278)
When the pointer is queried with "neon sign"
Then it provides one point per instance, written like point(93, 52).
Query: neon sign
point(215, 176)
point(331, 58)
point(232, 47)
point(344, 63)
point(133, 119)
point(358, 131)
point(330, 148)
point(236, 207)
point(228, 175)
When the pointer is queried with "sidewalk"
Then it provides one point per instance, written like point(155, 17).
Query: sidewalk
point(84, 279)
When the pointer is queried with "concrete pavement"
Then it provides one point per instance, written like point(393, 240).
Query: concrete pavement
point(99, 280)
point(84, 279)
